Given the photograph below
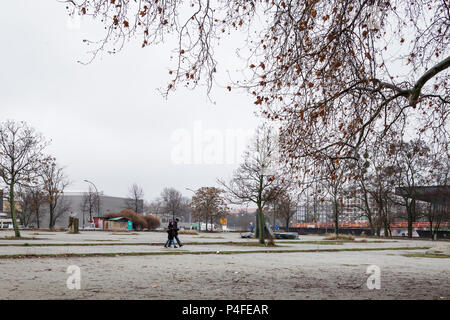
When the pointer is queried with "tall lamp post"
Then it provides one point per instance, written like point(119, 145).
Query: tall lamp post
point(98, 197)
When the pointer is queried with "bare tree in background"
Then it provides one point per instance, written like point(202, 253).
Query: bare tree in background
point(172, 201)
point(336, 74)
point(54, 184)
point(286, 205)
point(155, 207)
point(135, 199)
point(439, 174)
point(334, 174)
point(412, 161)
point(256, 180)
point(90, 203)
point(20, 154)
point(37, 201)
point(31, 201)
point(63, 208)
point(358, 189)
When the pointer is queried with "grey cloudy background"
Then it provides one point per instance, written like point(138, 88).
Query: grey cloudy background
point(107, 122)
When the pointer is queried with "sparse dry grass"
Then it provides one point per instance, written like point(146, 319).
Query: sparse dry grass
point(347, 237)
point(426, 255)
point(209, 237)
point(18, 238)
point(193, 232)
point(124, 232)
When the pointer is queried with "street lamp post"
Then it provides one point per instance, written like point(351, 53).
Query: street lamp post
point(98, 197)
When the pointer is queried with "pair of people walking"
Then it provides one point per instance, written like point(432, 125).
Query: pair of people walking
point(172, 234)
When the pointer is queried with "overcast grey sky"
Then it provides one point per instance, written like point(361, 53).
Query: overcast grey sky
point(107, 122)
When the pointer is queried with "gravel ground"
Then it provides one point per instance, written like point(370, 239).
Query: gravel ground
point(280, 275)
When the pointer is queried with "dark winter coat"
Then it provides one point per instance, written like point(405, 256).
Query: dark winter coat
point(175, 227)
point(171, 231)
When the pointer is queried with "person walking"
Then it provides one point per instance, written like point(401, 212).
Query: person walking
point(170, 236)
point(175, 224)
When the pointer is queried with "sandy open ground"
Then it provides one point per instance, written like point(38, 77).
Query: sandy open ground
point(208, 267)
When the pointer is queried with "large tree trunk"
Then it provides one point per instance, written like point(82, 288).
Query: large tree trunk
point(431, 229)
point(37, 218)
point(371, 227)
point(336, 216)
point(260, 223)
point(50, 223)
point(410, 210)
point(386, 226)
point(12, 206)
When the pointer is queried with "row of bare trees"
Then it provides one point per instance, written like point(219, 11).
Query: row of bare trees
point(171, 203)
point(32, 178)
point(365, 184)
point(370, 181)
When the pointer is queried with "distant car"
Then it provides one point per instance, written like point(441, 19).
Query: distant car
point(159, 229)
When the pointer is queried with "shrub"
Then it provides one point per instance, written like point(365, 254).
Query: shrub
point(138, 221)
point(340, 237)
point(152, 222)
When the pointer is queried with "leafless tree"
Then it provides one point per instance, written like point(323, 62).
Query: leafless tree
point(413, 161)
point(54, 184)
point(155, 207)
point(90, 203)
point(257, 179)
point(63, 208)
point(358, 189)
point(135, 199)
point(172, 201)
point(20, 154)
point(31, 201)
point(334, 174)
point(439, 211)
point(337, 74)
point(286, 205)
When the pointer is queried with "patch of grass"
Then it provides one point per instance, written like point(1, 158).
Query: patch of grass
point(374, 241)
point(319, 242)
point(127, 244)
point(208, 237)
point(42, 233)
point(18, 238)
point(347, 237)
point(101, 240)
point(192, 232)
point(425, 255)
point(249, 244)
point(124, 232)
point(76, 255)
